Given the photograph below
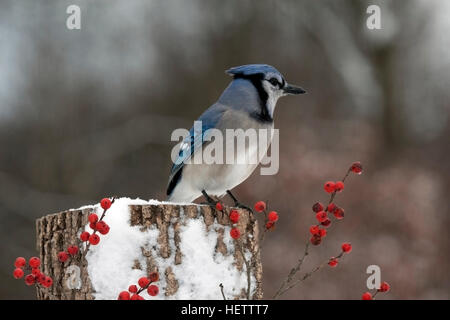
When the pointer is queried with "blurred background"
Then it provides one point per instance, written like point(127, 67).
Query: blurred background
point(88, 113)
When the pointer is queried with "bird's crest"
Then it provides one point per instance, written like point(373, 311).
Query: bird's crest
point(252, 69)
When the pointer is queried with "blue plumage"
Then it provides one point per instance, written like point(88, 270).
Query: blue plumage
point(252, 69)
point(193, 142)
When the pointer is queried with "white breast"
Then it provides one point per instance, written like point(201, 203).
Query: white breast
point(216, 179)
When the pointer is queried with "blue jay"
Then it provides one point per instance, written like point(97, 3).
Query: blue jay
point(248, 102)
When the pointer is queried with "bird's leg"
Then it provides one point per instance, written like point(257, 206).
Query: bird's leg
point(209, 201)
point(237, 203)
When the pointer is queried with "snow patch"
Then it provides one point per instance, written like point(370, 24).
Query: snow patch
point(110, 263)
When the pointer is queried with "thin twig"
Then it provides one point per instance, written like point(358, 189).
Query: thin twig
point(144, 288)
point(309, 274)
point(293, 272)
point(221, 290)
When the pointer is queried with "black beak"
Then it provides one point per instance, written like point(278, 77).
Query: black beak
point(289, 89)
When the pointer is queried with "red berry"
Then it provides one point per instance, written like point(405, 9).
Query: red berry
point(62, 256)
point(333, 262)
point(136, 297)
point(367, 296)
point(314, 230)
point(326, 223)
point(219, 206)
point(356, 167)
point(384, 287)
point(124, 295)
point(338, 213)
point(72, 250)
point(316, 240)
point(260, 206)
point(329, 186)
point(29, 280)
point(321, 216)
point(93, 218)
point(34, 262)
point(317, 207)
point(272, 216)
point(152, 290)
point(105, 203)
point(20, 262)
point(36, 272)
point(133, 289)
point(270, 225)
point(47, 282)
point(235, 233)
point(93, 225)
point(18, 273)
point(101, 225)
point(41, 278)
point(94, 239)
point(154, 276)
point(346, 247)
point(339, 186)
point(104, 230)
point(322, 233)
point(331, 207)
point(84, 236)
point(143, 282)
point(234, 216)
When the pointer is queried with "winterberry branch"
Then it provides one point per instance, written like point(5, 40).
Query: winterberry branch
point(318, 234)
point(333, 195)
point(36, 277)
point(292, 273)
point(269, 220)
point(310, 273)
point(94, 239)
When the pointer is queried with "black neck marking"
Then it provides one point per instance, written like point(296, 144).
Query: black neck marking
point(256, 80)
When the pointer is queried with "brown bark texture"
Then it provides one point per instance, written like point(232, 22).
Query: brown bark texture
point(55, 232)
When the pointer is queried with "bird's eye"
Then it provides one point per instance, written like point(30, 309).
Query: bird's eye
point(274, 82)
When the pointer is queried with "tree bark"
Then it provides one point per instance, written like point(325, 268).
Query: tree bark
point(55, 232)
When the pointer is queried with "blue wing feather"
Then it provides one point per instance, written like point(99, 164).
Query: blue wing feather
point(195, 140)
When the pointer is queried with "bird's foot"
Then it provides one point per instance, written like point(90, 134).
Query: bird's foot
point(238, 204)
point(209, 200)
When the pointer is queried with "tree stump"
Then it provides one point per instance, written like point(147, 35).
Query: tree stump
point(188, 245)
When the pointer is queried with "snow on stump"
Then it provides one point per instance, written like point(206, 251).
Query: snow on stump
point(188, 245)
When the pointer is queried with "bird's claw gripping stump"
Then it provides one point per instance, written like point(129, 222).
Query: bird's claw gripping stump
point(168, 251)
